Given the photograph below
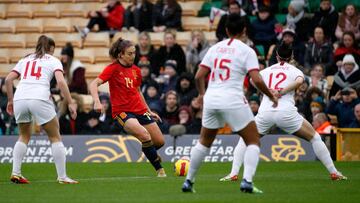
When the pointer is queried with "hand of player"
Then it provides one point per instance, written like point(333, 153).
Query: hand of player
point(98, 107)
point(200, 99)
point(155, 116)
point(72, 109)
point(10, 108)
point(276, 93)
point(275, 100)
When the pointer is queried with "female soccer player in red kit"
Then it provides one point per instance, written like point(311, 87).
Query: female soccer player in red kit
point(129, 108)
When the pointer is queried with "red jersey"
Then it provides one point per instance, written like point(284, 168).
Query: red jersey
point(124, 83)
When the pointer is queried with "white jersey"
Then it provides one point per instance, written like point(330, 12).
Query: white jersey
point(229, 61)
point(35, 76)
point(277, 77)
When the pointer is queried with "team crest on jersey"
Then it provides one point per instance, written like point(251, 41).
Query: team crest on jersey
point(123, 115)
point(134, 74)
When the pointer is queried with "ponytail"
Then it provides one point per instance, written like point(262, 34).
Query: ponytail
point(43, 46)
point(119, 47)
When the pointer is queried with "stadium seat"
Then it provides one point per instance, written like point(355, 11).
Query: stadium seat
point(72, 10)
point(57, 25)
point(261, 50)
point(29, 25)
point(101, 55)
point(99, 39)
point(35, 1)
point(183, 38)
point(7, 26)
point(12, 41)
point(190, 8)
point(10, 1)
point(31, 39)
point(126, 35)
point(93, 70)
point(157, 38)
point(211, 37)
point(2, 11)
point(4, 56)
point(81, 22)
point(62, 38)
point(45, 11)
point(19, 11)
point(5, 69)
point(17, 54)
point(84, 55)
point(195, 23)
point(281, 18)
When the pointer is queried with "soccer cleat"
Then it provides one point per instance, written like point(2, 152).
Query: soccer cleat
point(188, 186)
point(337, 176)
point(248, 187)
point(67, 180)
point(229, 178)
point(80, 31)
point(161, 173)
point(19, 179)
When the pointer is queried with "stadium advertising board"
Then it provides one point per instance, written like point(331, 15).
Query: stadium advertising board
point(128, 149)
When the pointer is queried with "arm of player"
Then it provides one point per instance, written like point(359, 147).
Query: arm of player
point(294, 85)
point(95, 95)
point(9, 81)
point(200, 81)
point(259, 83)
point(152, 114)
point(65, 91)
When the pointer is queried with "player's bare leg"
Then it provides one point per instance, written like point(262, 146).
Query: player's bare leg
point(251, 158)
point(156, 135)
point(20, 149)
point(307, 132)
point(58, 151)
point(197, 155)
point(133, 127)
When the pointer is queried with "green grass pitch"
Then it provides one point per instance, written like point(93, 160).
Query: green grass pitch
point(136, 182)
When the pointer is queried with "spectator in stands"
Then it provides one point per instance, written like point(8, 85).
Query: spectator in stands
point(185, 118)
point(321, 124)
point(69, 126)
point(186, 89)
point(108, 18)
point(196, 111)
point(356, 122)
point(92, 126)
point(138, 16)
point(349, 21)
point(263, 28)
point(147, 79)
point(152, 96)
point(170, 51)
point(342, 106)
point(347, 46)
point(254, 102)
point(74, 70)
point(325, 18)
point(169, 78)
point(196, 50)
point(319, 51)
point(167, 15)
point(106, 120)
point(312, 94)
point(234, 7)
point(7, 123)
point(317, 79)
point(347, 76)
point(171, 110)
point(297, 20)
point(299, 98)
point(288, 37)
point(316, 106)
point(255, 5)
point(145, 50)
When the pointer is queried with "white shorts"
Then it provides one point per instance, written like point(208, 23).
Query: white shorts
point(289, 121)
point(237, 118)
point(42, 111)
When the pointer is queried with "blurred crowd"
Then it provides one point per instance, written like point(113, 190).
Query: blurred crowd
point(325, 43)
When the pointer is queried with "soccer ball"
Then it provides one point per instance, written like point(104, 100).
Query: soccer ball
point(182, 166)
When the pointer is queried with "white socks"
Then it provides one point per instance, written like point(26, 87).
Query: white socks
point(197, 155)
point(59, 154)
point(238, 159)
point(251, 161)
point(322, 153)
point(19, 152)
point(86, 30)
